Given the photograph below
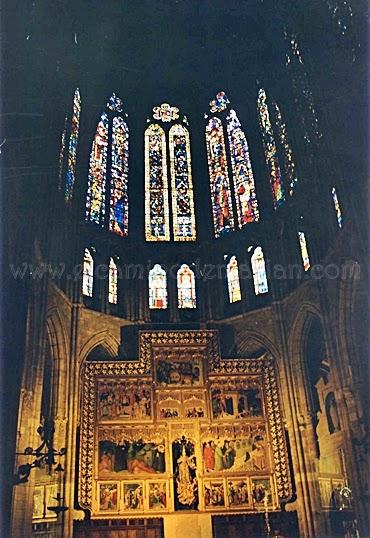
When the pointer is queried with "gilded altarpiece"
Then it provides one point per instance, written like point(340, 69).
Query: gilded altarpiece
point(181, 430)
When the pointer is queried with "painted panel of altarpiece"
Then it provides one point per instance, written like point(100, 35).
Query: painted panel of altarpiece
point(181, 430)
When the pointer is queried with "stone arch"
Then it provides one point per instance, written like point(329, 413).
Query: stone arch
point(297, 340)
point(103, 339)
point(352, 319)
point(254, 343)
point(56, 334)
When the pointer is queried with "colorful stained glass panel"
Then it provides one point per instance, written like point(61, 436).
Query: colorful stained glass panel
point(72, 147)
point(233, 282)
point(223, 218)
point(259, 272)
point(181, 184)
point(156, 185)
point(269, 145)
point(95, 200)
point(118, 217)
point(244, 188)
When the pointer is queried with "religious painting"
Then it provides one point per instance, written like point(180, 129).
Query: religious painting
point(157, 495)
point(123, 400)
point(169, 413)
point(38, 502)
point(133, 496)
point(261, 492)
point(237, 453)
point(237, 493)
point(108, 496)
point(236, 399)
point(214, 495)
point(51, 499)
point(192, 411)
point(121, 453)
point(185, 480)
point(181, 404)
point(194, 404)
point(177, 370)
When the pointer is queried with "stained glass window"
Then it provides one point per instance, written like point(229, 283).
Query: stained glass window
point(118, 216)
point(289, 165)
point(301, 87)
point(219, 104)
point(270, 149)
point(223, 218)
point(95, 200)
point(304, 251)
point(233, 280)
point(156, 185)
point(61, 153)
point(186, 287)
point(72, 147)
point(88, 274)
point(245, 194)
point(165, 112)
point(259, 272)
point(338, 211)
point(157, 287)
point(112, 282)
point(181, 184)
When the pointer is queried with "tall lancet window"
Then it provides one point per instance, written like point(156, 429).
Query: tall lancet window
point(95, 200)
point(304, 251)
point(289, 164)
point(186, 287)
point(118, 212)
point(88, 274)
point(181, 184)
point(157, 226)
point(259, 272)
point(160, 141)
point(233, 282)
point(72, 146)
point(157, 287)
point(244, 188)
point(112, 282)
point(338, 211)
point(222, 209)
point(108, 171)
point(271, 154)
point(68, 151)
point(239, 196)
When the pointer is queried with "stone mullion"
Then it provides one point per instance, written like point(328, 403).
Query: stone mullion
point(72, 405)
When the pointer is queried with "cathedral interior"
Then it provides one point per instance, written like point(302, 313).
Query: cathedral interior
point(185, 269)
